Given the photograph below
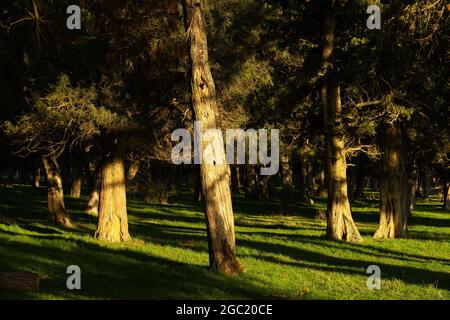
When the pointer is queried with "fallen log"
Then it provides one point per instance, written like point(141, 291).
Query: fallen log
point(19, 281)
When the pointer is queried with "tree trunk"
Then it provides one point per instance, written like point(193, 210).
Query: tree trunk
point(394, 199)
point(133, 169)
point(112, 216)
point(263, 187)
point(446, 193)
point(250, 181)
point(235, 179)
point(214, 169)
point(286, 174)
point(320, 182)
point(340, 224)
point(95, 181)
point(197, 195)
point(412, 187)
point(426, 186)
point(37, 175)
point(77, 173)
point(303, 180)
point(55, 194)
point(361, 180)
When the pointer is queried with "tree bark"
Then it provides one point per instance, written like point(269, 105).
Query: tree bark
point(133, 169)
point(412, 190)
point(303, 180)
point(340, 224)
point(250, 182)
point(286, 174)
point(394, 198)
point(95, 181)
point(361, 180)
point(37, 175)
point(214, 169)
point(55, 194)
point(235, 179)
point(75, 188)
point(112, 216)
point(426, 186)
point(197, 195)
point(446, 193)
point(263, 187)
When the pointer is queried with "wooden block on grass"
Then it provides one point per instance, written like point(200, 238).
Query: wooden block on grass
point(19, 281)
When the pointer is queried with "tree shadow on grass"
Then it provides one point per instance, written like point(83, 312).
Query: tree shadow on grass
point(122, 273)
point(312, 259)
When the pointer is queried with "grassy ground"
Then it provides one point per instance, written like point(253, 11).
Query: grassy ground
point(284, 256)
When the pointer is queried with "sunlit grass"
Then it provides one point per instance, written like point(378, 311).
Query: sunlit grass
point(284, 257)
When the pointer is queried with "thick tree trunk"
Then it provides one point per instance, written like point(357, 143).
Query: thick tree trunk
point(394, 198)
point(55, 194)
point(77, 173)
point(214, 169)
point(112, 216)
point(340, 224)
point(286, 175)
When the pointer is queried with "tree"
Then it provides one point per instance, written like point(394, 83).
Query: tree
point(340, 224)
point(214, 170)
point(112, 216)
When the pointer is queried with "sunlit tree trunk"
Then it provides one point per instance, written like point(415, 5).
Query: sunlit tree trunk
point(340, 224)
point(112, 215)
point(55, 195)
point(394, 198)
point(214, 170)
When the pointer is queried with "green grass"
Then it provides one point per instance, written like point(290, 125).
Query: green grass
point(285, 257)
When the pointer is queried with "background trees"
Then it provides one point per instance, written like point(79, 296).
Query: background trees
point(355, 107)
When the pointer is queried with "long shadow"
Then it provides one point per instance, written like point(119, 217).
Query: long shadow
point(119, 274)
point(407, 274)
